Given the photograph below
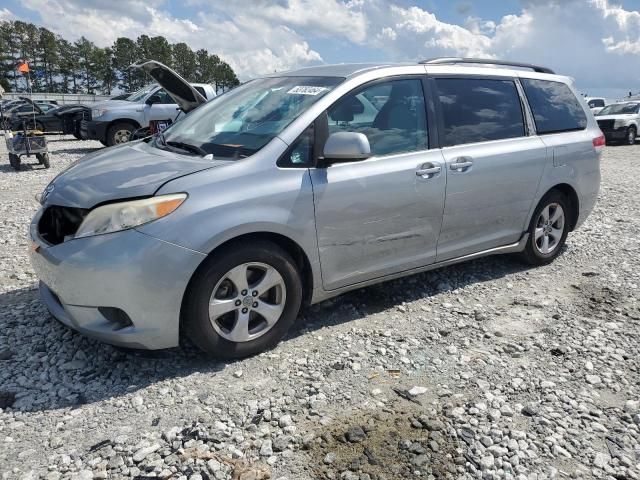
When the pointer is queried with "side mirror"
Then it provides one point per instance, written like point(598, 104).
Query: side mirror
point(342, 147)
point(155, 98)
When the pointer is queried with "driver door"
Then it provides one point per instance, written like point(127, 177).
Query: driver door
point(382, 215)
point(165, 109)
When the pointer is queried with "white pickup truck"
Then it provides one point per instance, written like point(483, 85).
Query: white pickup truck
point(112, 122)
point(620, 121)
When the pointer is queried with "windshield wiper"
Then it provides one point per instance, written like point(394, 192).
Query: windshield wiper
point(180, 145)
point(188, 147)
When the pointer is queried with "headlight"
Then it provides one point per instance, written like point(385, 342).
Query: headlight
point(120, 216)
point(98, 112)
point(620, 123)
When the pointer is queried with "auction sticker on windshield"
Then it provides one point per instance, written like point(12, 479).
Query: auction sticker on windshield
point(306, 90)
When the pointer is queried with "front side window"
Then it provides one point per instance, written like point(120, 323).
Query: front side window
point(164, 97)
point(243, 120)
point(554, 106)
point(391, 114)
point(479, 110)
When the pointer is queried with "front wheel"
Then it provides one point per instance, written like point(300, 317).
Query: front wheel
point(548, 229)
point(631, 135)
point(119, 133)
point(243, 300)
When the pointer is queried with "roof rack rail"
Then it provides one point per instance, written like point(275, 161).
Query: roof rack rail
point(485, 61)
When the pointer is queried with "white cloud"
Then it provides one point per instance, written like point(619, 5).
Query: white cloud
point(595, 41)
point(5, 14)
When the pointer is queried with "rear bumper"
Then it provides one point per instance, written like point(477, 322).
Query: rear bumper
point(94, 130)
point(140, 275)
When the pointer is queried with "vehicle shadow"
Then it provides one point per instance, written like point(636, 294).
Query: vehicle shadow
point(77, 150)
point(49, 366)
point(25, 164)
point(387, 295)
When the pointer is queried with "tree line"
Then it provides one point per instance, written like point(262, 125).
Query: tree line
point(60, 66)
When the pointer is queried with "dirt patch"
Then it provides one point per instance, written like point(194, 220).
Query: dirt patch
point(387, 444)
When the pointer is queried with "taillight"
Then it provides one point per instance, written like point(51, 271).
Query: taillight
point(599, 142)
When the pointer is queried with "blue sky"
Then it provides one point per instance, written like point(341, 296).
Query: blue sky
point(595, 41)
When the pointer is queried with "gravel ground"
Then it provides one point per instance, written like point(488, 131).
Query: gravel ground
point(482, 370)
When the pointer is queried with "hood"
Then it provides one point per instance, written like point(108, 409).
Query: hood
point(187, 97)
point(111, 104)
point(127, 171)
point(617, 116)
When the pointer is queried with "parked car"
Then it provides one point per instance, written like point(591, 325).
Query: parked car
point(64, 119)
point(112, 122)
point(299, 186)
point(14, 117)
point(619, 121)
point(596, 103)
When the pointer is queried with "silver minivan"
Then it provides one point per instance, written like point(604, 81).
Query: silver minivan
point(298, 186)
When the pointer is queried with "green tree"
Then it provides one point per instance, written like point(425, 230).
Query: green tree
point(125, 52)
point(184, 61)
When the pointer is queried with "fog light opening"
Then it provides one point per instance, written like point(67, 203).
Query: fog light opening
point(115, 316)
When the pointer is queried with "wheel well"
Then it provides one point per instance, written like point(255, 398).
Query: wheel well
point(289, 246)
point(574, 202)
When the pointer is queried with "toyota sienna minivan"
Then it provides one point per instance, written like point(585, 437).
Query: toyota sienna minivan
point(298, 186)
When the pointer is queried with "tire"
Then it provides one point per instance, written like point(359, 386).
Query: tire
point(77, 135)
point(40, 126)
point(43, 159)
point(535, 252)
point(14, 161)
point(215, 333)
point(630, 139)
point(116, 133)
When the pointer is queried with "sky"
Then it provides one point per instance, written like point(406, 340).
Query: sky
point(597, 42)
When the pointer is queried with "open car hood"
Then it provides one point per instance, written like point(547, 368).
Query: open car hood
point(177, 87)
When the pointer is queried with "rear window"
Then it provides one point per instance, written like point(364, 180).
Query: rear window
point(479, 110)
point(554, 106)
point(201, 91)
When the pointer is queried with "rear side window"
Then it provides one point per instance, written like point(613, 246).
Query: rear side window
point(554, 107)
point(479, 110)
point(201, 91)
point(596, 102)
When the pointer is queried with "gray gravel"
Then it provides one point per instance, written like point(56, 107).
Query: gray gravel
point(484, 370)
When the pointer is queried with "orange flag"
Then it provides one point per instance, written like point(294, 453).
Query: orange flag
point(23, 67)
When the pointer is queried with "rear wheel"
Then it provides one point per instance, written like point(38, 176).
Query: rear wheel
point(631, 135)
point(119, 133)
point(243, 300)
point(548, 229)
point(43, 159)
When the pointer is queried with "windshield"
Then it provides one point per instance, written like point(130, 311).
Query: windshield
point(140, 94)
point(243, 120)
point(619, 108)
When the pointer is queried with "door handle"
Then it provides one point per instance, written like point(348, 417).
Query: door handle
point(462, 163)
point(428, 170)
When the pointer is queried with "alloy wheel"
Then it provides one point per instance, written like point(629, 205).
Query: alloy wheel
point(549, 229)
point(631, 136)
point(247, 302)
